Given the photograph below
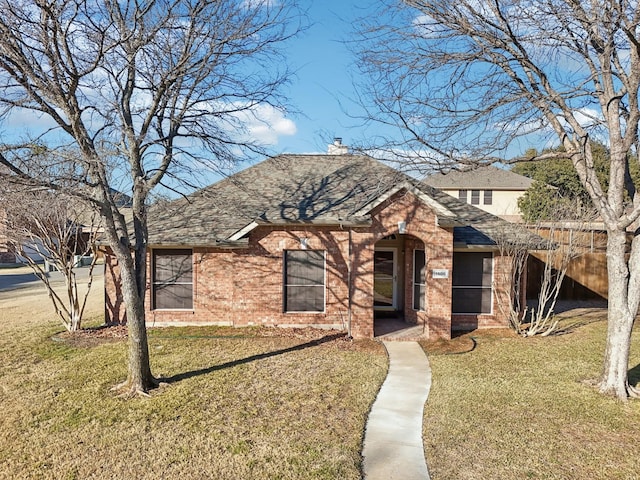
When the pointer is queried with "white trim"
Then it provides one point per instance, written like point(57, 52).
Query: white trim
point(426, 199)
point(226, 323)
point(321, 326)
point(243, 231)
point(179, 323)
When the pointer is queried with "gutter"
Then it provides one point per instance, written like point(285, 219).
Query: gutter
point(356, 221)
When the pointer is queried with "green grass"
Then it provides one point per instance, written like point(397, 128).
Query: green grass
point(242, 405)
point(517, 408)
point(236, 406)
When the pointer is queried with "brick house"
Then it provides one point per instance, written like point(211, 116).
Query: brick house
point(329, 241)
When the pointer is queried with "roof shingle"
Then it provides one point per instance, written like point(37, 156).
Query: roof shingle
point(315, 189)
point(480, 178)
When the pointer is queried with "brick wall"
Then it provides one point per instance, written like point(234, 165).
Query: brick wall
point(244, 287)
point(114, 308)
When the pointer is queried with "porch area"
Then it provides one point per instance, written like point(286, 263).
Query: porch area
point(394, 328)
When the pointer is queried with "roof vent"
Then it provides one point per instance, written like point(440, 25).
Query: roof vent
point(337, 148)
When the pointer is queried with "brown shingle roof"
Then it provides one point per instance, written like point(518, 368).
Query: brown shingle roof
point(321, 189)
point(480, 178)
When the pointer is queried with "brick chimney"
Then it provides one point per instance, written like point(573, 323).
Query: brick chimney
point(337, 148)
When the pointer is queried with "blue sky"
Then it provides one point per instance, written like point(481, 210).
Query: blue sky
point(322, 88)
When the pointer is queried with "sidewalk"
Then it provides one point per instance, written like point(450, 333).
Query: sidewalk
point(393, 446)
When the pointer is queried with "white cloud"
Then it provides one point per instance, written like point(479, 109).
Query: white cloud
point(21, 122)
point(267, 124)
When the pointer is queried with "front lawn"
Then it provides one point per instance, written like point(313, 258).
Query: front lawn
point(516, 408)
point(236, 404)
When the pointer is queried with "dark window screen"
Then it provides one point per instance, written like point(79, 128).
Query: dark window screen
point(488, 197)
point(472, 277)
point(304, 281)
point(172, 279)
point(475, 197)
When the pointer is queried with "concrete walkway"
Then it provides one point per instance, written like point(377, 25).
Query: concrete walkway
point(393, 438)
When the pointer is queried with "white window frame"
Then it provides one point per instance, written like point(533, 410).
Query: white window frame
point(414, 284)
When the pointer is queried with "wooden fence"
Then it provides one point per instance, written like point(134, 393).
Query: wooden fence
point(586, 277)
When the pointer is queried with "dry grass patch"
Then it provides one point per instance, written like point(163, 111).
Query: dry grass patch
point(520, 408)
point(236, 404)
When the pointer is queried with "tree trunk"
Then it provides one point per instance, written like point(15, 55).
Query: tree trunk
point(614, 380)
point(139, 377)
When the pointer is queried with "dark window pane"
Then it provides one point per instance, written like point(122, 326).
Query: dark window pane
point(472, 269)
point(475, 197)
point(173, 266)
point(173, 296)
point(471, 300)
point(488, 197)
point(383, 262)
point(304, 267)
point(419, 266)
point(418, 297)
point(462, 195)
point(308, 298)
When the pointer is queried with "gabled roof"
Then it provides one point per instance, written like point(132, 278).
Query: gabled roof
point(309, 189)
point(480, 178)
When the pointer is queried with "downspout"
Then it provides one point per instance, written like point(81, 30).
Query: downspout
point(349, 287)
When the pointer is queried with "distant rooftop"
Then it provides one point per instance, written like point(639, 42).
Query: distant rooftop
point(480, 178)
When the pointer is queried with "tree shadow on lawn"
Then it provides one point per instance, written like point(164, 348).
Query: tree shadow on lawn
point(252, 358)
point(634, 375)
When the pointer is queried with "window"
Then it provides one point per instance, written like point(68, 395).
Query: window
point(172, 279)
point(419, 276)
point(472, 277)
point(462, 195)
point(475, 197)
point(304, 276)
point(488, 197)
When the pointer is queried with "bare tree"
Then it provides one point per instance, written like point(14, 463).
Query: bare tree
point(51, 229)
point(470, 81)
point(147, 93)
point(564, 242)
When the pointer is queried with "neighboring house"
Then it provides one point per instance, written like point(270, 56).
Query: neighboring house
point(85, 220)
point(492, 189)
point(324, 241)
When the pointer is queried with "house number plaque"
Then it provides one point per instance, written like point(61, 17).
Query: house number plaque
point(440, 273)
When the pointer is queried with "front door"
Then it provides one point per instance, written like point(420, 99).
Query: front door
point(385, 279)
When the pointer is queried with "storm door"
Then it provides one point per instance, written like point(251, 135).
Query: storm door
point(385, 279)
